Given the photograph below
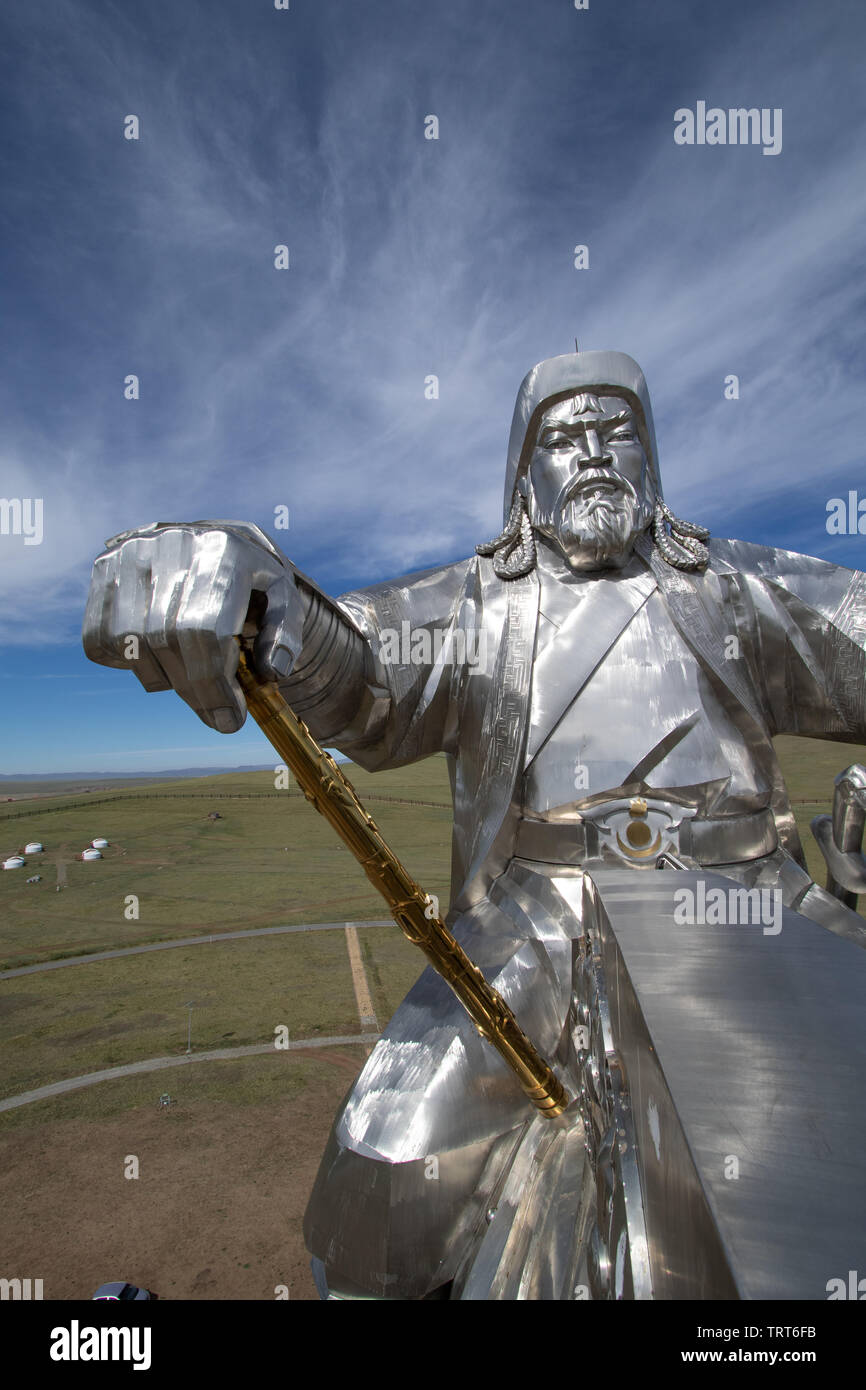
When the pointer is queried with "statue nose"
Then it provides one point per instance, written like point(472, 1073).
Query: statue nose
point(592, 455)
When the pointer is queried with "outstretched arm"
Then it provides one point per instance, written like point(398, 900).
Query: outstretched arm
point(391, 646)
point(803, 628)
point(168, 601)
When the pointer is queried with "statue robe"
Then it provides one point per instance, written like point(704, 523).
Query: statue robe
point(561, 684)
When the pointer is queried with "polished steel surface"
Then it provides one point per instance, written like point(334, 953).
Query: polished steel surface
point(840, 836)
point(623, 666)
point(739, 1044)
point(325, 785)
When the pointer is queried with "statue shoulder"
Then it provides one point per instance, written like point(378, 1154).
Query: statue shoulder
point(819, 583)
point(423, 594)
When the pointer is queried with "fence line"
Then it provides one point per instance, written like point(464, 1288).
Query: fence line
point(260, 796)
point(202, 796)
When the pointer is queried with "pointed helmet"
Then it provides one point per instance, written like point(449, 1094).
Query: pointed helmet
point(602, 373)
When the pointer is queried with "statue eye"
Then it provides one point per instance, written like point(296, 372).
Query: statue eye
point(558, 441)
point(623, 436)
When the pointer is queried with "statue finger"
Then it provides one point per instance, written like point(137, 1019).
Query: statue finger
point(97, 629)
point(280, 637)
point(193, 621)
point(209, 664)
point(132, 590)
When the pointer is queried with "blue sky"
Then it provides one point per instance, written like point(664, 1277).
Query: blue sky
point(407, 257)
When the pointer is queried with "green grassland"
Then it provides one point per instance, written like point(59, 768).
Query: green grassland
point(271, 860)
point(242, 1081)
point(809, 766)
point(65, 1023)
point(28, 788)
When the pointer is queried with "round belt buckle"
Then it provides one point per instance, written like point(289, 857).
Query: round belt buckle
point(638, 830)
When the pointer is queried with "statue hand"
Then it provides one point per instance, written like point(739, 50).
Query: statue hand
point(168, 601)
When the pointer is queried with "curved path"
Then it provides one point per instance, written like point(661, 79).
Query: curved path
point(186, 941)
point(221, 1054)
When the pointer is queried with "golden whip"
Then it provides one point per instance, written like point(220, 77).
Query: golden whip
point(333, 796)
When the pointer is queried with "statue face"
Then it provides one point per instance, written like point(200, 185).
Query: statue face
point(588, 487)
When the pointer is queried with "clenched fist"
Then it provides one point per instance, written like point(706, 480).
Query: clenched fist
point(169, 600)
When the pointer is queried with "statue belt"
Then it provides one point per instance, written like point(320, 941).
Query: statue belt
point(638, 830)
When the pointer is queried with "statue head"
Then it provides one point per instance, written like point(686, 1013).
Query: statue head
point(583, 470)
point(588, 490)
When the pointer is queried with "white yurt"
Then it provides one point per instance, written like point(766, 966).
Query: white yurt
point(34, 847)
point(99, 843)
point(15, 861)
point(91, 853)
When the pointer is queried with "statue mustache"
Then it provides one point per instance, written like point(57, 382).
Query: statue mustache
point(589, 477)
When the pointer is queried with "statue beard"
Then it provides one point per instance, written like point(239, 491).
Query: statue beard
point(596, 520)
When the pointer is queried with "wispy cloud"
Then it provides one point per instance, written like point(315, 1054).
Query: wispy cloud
point(409, 258)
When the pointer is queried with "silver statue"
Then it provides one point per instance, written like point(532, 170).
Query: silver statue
point(605, 681)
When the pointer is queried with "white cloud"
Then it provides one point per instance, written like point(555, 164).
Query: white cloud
point(408, 258)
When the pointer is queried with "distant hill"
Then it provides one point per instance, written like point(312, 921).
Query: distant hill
point(162, 775)
point(159, 776)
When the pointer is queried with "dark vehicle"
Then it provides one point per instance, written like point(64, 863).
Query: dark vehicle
point(120, 1292)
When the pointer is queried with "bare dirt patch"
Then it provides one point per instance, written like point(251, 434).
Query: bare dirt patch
point(225, 1175)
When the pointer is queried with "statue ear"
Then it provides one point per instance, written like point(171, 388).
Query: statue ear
point(523, 485)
